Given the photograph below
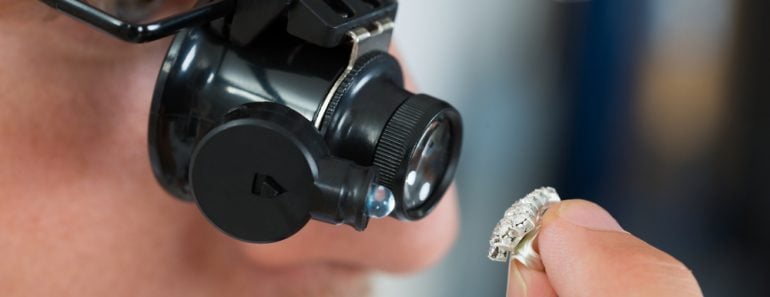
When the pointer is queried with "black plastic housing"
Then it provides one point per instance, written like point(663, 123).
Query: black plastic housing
point(259, 118)
point(264, 171)
point(204, 77)
point(321, 22)
point(374, 121)
point(325, 22)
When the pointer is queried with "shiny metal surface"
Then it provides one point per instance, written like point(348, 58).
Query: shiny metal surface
point(526, 253)
point(363, 41)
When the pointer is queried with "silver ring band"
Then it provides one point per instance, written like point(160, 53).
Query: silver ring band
point(525, 253)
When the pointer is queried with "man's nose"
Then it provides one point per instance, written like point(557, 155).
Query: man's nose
point(386, 245)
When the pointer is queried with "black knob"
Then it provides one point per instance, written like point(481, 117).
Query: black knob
point(265, 171)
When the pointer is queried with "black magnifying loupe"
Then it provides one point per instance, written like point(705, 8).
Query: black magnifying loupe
point(270, 113)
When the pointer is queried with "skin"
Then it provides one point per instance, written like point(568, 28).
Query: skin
point(82, 215)
point(585, 252)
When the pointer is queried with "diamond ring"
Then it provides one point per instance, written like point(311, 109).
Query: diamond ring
point(514, 234)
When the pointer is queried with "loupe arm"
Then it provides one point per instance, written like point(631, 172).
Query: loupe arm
point(138, 33)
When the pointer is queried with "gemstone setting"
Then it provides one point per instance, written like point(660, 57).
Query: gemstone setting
point(519, 220)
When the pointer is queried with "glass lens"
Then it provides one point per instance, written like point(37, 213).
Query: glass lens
point(142, 11)
point(428, 163)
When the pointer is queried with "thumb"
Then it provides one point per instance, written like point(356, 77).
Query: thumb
point(586, 253)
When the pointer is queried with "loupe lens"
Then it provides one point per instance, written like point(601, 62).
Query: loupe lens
point(417, 154)
point(142, 10)
point(428, 163)
point(413, 140)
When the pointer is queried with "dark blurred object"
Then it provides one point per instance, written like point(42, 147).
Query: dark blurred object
point(668, 126)
point(744, 171)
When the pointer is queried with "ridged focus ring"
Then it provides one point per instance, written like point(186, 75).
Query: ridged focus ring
point(400, 135)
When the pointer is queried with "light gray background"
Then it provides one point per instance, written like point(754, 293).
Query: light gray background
point(489, 58)
point(497, 62)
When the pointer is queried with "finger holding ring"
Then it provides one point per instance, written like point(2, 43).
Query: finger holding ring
point(515, 233)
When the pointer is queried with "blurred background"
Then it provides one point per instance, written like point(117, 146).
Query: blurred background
point(657, 110)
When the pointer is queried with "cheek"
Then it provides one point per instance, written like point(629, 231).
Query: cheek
point(420, 244)
point(66, 129)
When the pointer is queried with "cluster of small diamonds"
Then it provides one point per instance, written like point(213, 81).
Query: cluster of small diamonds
point(517, 221)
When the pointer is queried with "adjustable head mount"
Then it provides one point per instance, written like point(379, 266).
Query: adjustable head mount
point(270, 113)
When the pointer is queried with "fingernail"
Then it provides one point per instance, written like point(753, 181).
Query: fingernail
point(588, 215)
point(517, 286)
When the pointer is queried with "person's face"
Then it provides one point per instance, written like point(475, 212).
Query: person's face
point(81, 213)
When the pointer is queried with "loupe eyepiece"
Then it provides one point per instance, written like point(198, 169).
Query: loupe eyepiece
point(412, 139)
point(267, 133)
point(269, 113)
point(418, 152)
